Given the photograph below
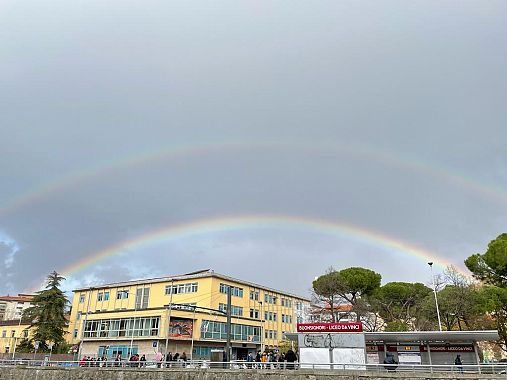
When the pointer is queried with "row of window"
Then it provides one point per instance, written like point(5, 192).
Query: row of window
point(254, 313)
point(270, 334)
point(235, 291)
point(286, 318)
point(269, 316)
point(13, 333)
point(104, 328)
point(217, 330)
point(286, 302)
point(235, 310)
point(181, 288)
point(142, 295)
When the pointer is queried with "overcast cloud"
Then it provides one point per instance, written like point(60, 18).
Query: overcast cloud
point(386, 115)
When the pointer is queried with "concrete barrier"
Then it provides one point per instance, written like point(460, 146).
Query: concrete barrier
point(49, 373)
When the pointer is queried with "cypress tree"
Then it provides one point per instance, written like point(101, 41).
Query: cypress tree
point(47, 315)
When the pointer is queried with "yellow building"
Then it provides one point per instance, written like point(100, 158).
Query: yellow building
point(132, 317)
point(12, 333)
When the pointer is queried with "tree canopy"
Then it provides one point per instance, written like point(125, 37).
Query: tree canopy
point(491, 267)
point(348, 285)
point(47, 314)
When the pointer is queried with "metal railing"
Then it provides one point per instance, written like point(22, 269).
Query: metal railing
point(490, 368)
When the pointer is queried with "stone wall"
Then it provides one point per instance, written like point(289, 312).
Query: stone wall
point(48, 373)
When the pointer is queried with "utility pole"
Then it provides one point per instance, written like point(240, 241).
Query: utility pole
point(169, 321)
point(228, 325)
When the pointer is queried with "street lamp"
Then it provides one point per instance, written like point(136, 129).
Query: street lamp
point(435, 294)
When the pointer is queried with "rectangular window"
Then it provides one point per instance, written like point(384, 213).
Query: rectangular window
point(100, 296)
point(217, 330)
point(25, 333)
point(122, 294)
point(13, 333)
point(75, 333)
point(268, 298)
point(235, 310)
point(142, 297)
point(254, 313)
point(81, 298)
point(106, 296)
point(78, 316)
point(4, 334)
point(254, 295)
point(286, 302)
point(126, 327)
point(299, 306)
point(181, 289)
point(235, 291)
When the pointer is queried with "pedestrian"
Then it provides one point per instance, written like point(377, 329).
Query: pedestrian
point(158, 359)
point(390, 361)
point(459, 363)
point(183, 359)
point(142, 361)
point(118, 360)
point(168, 359)
point(249, 360)
point(291, 357)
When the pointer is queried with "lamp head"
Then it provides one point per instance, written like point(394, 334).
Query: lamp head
point(430, 263)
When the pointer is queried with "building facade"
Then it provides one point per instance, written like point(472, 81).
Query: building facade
point(187, 310)
point(12, 333)
point(12, 307)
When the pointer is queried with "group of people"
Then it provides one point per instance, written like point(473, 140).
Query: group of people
point(271, 360)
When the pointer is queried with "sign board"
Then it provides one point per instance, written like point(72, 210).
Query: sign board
point(182, 307)
point(181, 328)
point(409, 358)
point(372, 358)
point(154, 344)
point(448, 348)
point(339, 327)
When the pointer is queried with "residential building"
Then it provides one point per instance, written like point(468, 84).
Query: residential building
point(344, 312)
point(12, 307)
point(132, 317)
point(12, 333)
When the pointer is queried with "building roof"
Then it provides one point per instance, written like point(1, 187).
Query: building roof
point(19, 298)
point(432, 336)
point(424, 336)
point(189, 276)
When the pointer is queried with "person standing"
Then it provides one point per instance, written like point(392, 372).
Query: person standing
point(459, 363)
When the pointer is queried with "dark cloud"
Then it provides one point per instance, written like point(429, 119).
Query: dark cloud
point(84, 86)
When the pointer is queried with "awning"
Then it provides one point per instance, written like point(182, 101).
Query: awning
point(424, 336)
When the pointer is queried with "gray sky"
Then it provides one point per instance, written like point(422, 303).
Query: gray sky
point(118, 119)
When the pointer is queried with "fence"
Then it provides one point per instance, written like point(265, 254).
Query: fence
point(495, 368)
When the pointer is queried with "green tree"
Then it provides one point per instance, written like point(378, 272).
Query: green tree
point(491, 267)
point(400, 305)
point(347, 286)
point(325, 289)
point(25, 346)
point(47, 315)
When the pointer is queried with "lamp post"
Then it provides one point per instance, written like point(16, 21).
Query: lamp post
point(435, 294)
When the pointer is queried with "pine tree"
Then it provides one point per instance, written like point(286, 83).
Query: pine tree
point(47, 315)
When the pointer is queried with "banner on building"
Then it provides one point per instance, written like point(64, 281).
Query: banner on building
point(330, 327)
point(181, 328)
